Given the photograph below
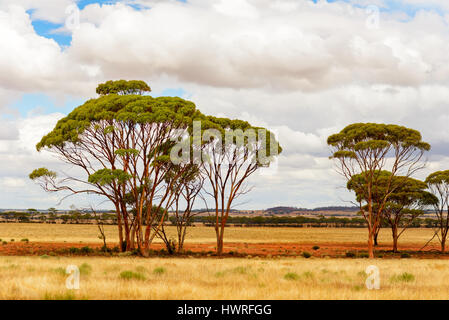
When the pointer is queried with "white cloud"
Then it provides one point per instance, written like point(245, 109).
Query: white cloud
point(304, 70)
point(48, 10)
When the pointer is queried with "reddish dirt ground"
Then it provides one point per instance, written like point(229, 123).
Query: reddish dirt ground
point(236, 249)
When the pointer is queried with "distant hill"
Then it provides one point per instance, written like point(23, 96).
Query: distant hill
point(287, 210)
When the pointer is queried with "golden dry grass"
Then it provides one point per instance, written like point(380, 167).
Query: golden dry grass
point(89, 233)
point(44, 278)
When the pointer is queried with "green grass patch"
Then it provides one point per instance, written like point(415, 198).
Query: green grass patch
point(291, 276)
point(130, 275)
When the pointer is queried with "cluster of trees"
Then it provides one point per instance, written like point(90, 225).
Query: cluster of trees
point(141, 154)
point(71, 217)
point(378, 162)
point(298, 221)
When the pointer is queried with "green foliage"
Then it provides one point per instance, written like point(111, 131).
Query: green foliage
point(405, 255)
point(159, 270)
point(98, 114)
point(373, 136)
point(127, 152)
point(42, 172)
point(364, 255)
point(123, 87)
point(403, 277)
point(74, 250)
point(350, 254)
point(291, 276)
point(130, 275)
point(438, 177)
point(107, 177)
point(315, 247)
point(86, 250)
point(403, 191)
point(85, 269)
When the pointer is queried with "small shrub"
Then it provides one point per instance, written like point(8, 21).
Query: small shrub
point(315, 247)
point(12, 240)
point(350, 254)
point(403, 277)
point(130, 275)
point(60, 271)
point(86, 250)
point(25, 240)
point(159, 270)
point(44, 256)
point(85, 269)
point(308, 275)
point(74, 250)
point(306, 254)
point(405, 255)
point(291, 276)
point(116, 249)
point(4, 243)
point(364, 255)
point(240, 270)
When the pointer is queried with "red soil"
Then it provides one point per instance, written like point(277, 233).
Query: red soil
point(235, 249)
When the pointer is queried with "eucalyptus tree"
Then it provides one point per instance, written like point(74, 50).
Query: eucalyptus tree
point(438, 183)
point(406, 202)
point(371, 148)
point(121, 144)
point(188, 189)
point(233, 151)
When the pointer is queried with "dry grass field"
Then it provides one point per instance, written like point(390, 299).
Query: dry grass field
point(177, 278)
point(89, 234)
point(254, 277)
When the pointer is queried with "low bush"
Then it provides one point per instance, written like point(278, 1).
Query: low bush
point(315, 247)
point(405, 255)
point(291, 276)
point(86, 250)
point(159, 270)
point(306, 254)
point(350, 254)
point(130, 275)
point(85, 269)
point(403, 277)
point(74, 250)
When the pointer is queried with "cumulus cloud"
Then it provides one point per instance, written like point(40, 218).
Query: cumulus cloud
point(303, 70)
point(259, 44)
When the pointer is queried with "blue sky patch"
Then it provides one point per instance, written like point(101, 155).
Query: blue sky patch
point(43, 104)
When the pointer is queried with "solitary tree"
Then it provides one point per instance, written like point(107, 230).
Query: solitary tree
point(438, 183)
point(405, 203)
point(234, 151)
point(370, 148)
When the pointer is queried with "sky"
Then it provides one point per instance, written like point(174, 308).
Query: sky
point(304, 69)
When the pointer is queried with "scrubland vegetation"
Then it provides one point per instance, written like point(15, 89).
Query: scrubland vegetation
point(177, 278)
